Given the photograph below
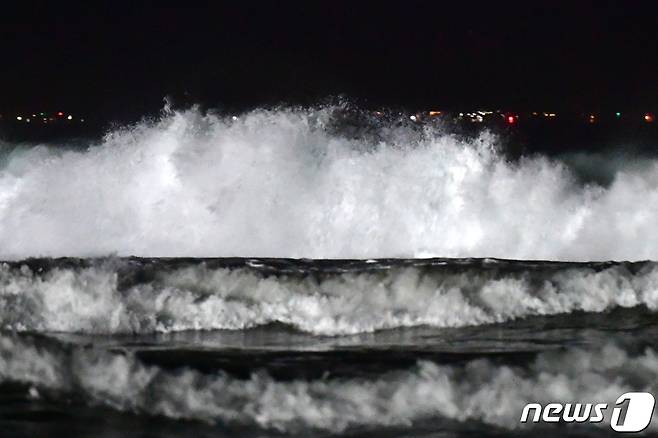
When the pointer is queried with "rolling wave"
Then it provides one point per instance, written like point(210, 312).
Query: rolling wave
point(428, 391)
point(326, 298)
point(286, 183)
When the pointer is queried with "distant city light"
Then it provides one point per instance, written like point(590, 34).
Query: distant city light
point(476, 116)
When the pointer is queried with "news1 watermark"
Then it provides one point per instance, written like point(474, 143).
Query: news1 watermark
point(631, 412)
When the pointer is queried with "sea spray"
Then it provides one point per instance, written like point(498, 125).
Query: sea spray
point(288, 183)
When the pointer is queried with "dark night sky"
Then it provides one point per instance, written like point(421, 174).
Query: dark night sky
point(126, 58)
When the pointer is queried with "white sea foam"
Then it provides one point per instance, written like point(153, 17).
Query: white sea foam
point(277, 183)
point(93, 299)
point(426, 391)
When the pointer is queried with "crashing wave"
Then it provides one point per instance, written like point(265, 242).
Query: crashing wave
point(285, 183)
point(426, 391)
point(146, 296)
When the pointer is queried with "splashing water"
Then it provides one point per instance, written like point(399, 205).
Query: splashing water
point(428, 390)
point(279, 183)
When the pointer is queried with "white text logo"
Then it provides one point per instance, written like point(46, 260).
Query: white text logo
point(631, 413)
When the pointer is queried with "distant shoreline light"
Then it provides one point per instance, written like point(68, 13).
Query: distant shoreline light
point(45, 118)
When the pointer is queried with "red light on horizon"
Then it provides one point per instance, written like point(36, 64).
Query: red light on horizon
point(60, 114)
point(511, 120)
point(648, 117)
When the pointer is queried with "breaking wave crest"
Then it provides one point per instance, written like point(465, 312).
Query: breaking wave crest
point(145, 296)
point(284, 183)
point(427, 391)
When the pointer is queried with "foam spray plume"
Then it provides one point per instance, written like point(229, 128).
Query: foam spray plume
point(280, 183)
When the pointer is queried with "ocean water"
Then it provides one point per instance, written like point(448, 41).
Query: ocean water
point(295, 272)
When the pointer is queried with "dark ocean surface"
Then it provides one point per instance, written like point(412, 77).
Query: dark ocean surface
point(430, 347)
